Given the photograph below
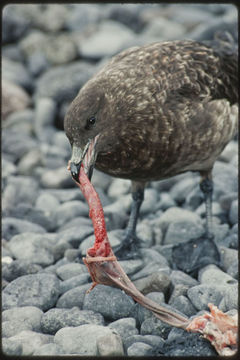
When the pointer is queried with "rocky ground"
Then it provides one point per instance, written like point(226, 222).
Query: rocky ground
point(48, 53)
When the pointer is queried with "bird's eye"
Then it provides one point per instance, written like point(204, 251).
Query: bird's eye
point(90, 122)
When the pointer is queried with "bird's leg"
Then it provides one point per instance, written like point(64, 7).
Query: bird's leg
point(206, 186)
point(130, 243)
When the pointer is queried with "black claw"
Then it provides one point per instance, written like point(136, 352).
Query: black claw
point(75, 169)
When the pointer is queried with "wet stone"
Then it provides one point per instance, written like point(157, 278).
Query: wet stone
point(140, 349)
point(56, 319)
point(70, 270)
point(40, 290)
point(32, 248)
point(30, 341)
point(74, 297)
point(112, 303)
point(17, 268)
point(12, 226)
point(82, 339)
point(124, 327)
point(110, 345)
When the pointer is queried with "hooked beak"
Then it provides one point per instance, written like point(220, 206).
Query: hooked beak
point(87, 156)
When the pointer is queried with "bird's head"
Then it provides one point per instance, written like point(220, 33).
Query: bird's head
point(85, 123)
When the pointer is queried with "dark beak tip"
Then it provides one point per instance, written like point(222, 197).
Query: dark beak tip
point(75, 169)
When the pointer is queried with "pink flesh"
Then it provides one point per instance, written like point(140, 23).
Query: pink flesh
point(101, 246)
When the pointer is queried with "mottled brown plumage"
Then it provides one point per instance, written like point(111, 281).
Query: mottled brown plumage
point(159, 110)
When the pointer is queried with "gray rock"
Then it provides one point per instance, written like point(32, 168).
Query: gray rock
point(72, 255)
point(69, 210)
point(152, 340)
point(74, 282)
point(226, 200)
point(166, 251)
point(14, 98)
point(230, 299)
point(155, 282)
point(49, 350)
point(119, 187)
point(52, 268)
point(82, 15)
point(182, 231)
point(102, 180)
point(21, 120)
point(115, 216)
point(62, 194)
point(29, 161)
point(8, 169)
point(30, 316)
point(12, 52)
point(203, 294)
point(47, 203)
point(110, 345)
point(57, 178)
point(175, 214)
point(178, 290)
point(76, 234)
point(56, 319)
point(73, 297)
point(225, 178)
point(32, 247)
point(15, 72)
point(9, 347)
point(179, 277)
point(151, 197)
point(12, 226)
point(44, 115)
point(131, 266)
point(154, 326)
point(150, 269)
point(145, 233)
point(165, 201)
point(212, 275)
point(13, 26)
point(78, 221)
point(41, 290)
point(164, 29)
point(140, 349)
point(228, 257)
point(129, 14)
point(183, 304)
point(233, 214)
point(61, 141)
point(30, 341)
point(182, 343)
point(82, 339)
point(62, 83)
point(124, 327)
point(13, 327)
point(233, 269)
point(20, 189)
point(67, 271)
point(112, 303)
point(154, 262)
point(15, 145)
point(37, 63)
point(182, 188)
point(106, 40)
point(27, 212)
point(16, 268)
